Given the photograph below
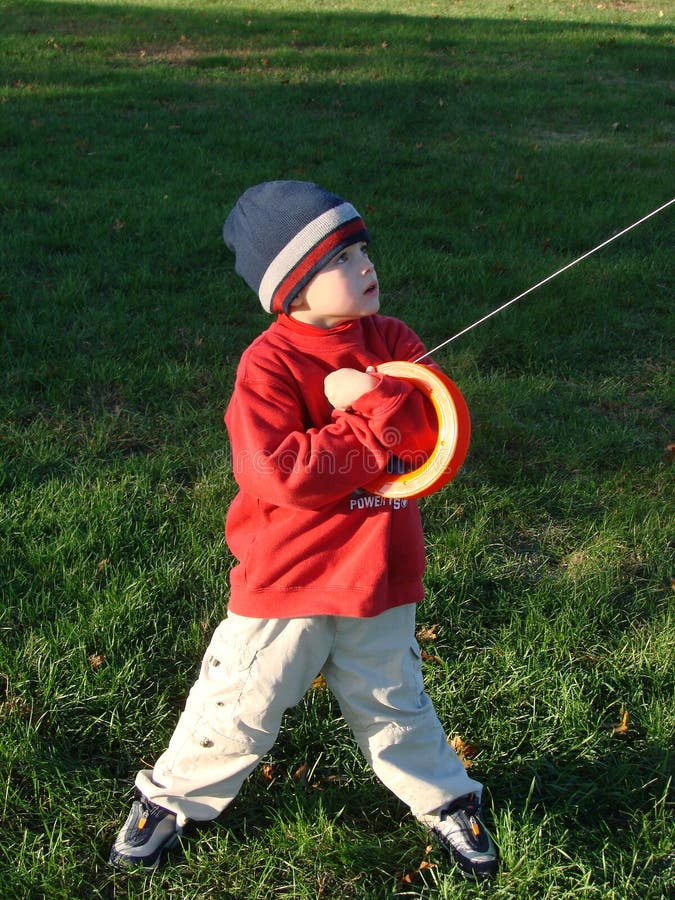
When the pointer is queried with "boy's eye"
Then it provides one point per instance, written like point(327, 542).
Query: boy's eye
point(343, 255)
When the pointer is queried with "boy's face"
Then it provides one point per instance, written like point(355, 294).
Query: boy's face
point(346, 288)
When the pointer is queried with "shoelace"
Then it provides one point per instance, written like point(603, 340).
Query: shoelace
point(471, 807)
point(468, 804)
point(144, 816)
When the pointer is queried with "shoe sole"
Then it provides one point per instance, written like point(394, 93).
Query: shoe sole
point(489, 872)
point(137, 863)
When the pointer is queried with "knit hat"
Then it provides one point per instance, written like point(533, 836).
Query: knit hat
point(283, 232)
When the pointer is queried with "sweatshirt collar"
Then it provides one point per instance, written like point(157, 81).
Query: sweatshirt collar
point(348, 331)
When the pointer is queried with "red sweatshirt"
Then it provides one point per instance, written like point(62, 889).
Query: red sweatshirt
point(308, 538)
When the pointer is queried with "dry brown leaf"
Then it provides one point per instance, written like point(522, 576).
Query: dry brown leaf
point(320, 783)
point(15, 705)
point(621, 726)
point(427, 657)
point(410, 877)
point(268, 772)
point(319, 683)
point(427, 633)
point(96, 660)
point(301, 774)
point(465, 752)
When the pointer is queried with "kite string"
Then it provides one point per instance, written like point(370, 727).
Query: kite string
point(545, 280)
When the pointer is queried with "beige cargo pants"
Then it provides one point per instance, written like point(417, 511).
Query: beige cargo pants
point(256, 669)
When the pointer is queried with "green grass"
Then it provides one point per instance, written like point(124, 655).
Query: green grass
point(487, 144)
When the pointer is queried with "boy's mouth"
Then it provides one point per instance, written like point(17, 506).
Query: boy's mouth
point(372, 288)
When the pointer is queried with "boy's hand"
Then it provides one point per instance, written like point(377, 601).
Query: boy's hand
point(343, 387)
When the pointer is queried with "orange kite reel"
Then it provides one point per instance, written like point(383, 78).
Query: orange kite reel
point(452, 442)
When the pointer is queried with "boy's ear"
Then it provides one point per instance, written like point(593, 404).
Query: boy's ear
point(298, 301)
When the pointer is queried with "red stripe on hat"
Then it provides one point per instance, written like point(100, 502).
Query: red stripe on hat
point(315, 255)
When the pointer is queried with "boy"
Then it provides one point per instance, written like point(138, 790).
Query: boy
point(324, 582)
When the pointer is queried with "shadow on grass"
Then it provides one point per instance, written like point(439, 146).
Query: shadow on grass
point(472, 136)
point(629, 778)
point(480, 139)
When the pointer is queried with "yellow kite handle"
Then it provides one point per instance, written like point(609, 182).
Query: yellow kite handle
point(452, 443)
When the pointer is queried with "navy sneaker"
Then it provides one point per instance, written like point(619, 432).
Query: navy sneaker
point(147, 832)
point(461, 832)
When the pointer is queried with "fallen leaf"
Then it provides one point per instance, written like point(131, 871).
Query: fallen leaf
point(13, 704)
point(410, 877)
point(301, 774)
point(103, 564)
point(319, 683)
point(320, 783)
point(268, 772)
point(427, 657)
point(621, 726)
point(427, 633)
point(465, 752)
point(118, 224)
point(96, 660)
point(670, 452)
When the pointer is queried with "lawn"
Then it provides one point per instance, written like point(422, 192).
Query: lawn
point(487, 144)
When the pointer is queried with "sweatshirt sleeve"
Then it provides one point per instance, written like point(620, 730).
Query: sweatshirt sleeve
point(276, 458)
point(407, 424)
